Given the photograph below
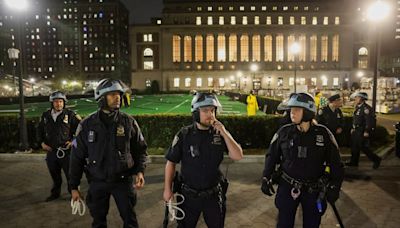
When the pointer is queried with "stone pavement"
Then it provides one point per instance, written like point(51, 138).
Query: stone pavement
point(371, 203)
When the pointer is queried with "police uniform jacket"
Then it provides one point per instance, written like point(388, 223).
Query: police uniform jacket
point(107, 154)
point(200, 153)
point(57, 133)
point(331, 119)
point(363, 118)
point(302, 155)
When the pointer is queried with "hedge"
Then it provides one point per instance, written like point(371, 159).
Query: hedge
point(159, 130)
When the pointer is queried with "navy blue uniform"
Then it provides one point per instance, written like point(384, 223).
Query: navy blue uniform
point(333, 120)
point(363, 121)
point(302, 156)
point(110, 149)
point(55, 134)
point(200, 153)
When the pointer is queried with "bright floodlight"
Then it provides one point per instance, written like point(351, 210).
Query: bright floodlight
point(32, 80)
point(64, 82)
point(239, 74)
point(360, 74)
point(295, 48)
point(253, 67)
point(19, 5)
point(377, 11)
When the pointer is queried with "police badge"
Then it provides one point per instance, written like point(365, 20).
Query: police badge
point(120, 130)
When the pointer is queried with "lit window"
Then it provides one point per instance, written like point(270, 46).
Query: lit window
point(198, 20)
point(145, 38)
point(285, 8)
point(112, 68)
point(187, 82)
point(337, 20)
point(159, 22)
point(231, 8)
point(274, 8)
point(280, 20)
point(290, 42)
point(71, 62)
point(305, 8)
point(33, 56)
point(187, 47)
point(37, 17)
point(148, 52)
point(256, 20)
point(210, 82)
point(233, 20)
point(313, 81)
point(335, 81)
point(292, 20)
point(221, 51)
point(209, 20)
point(111, 21)
point(59, 42)
point(256, 42)
point(220, 8)
point(252, 8)
point(210, 48)
point(91, 55)
point(279, 48)
point(244, 48)
point(241, 8)
point(324, 48)
point(198, 48)
point(221, 20)
point(335, 48)
point(96, 49)
point(86, 68)
point(324, 80)
point(291, 81)
point(303, 20)
point(326, 21)
point(232, 48)
point(244, 20)
point(363, 51)
point(296, 8)
point(199, 8)
point(148, 65)
point(148, 83)
point(268, 21)
point(263, 8)
point(176, 82)
point(150, 36)
point(268, 48)
point(314, 20)
point(302, 43)
point(209, 8)
point(50, 69)
point(221, 82)
point(313, 48)
point(176, 48)
point(199, 82)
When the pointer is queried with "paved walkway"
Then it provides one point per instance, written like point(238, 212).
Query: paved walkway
point(374, 203)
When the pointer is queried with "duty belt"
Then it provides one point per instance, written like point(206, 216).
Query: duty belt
point(310, 186)
point(194, 193)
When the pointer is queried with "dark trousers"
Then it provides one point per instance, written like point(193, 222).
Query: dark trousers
point(98, 202)
point(287, 207)
point(361, 143)
point(210, 207)
point(55, 165)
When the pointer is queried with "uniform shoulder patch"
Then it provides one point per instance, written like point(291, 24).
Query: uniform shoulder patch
point(320, 112)
point(366, 111)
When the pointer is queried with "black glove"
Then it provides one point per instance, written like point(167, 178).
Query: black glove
point(267, 187)
point(332, 194)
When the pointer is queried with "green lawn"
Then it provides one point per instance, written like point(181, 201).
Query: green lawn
point(140, 105)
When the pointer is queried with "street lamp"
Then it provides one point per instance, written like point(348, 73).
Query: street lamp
point(376, 13)
point(295, 49)
point(254, 69)
point(32, 81)
point(19, 6)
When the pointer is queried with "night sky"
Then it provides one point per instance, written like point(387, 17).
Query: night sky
point(142, 10)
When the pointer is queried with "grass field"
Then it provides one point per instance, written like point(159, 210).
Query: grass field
point(140, 105)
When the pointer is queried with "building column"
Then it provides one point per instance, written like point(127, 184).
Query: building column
point(285, 48)
point(251, 47)
point(262, 54)
point(238, 36)
point(273, 48)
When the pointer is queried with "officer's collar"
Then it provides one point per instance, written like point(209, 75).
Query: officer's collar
point(196, 129)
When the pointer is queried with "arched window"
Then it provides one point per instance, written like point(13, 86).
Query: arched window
point(363, 51)
point(148, 52)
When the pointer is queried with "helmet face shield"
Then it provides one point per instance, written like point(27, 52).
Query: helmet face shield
point(205, 99)
point(302, 100)
point(57, 95)
point(109, 85)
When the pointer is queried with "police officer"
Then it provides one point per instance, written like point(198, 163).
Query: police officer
point(110, 148)
point(363, 125)
point(200, 148)
point(331, 116)
point(303, 150)
point(55, 133)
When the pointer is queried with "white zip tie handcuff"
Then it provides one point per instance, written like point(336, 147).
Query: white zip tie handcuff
point(78, 207)
point(173, 208)
point(61, 152)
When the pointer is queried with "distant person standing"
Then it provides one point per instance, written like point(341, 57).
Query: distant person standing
point(252, 105)
point(331, 116)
